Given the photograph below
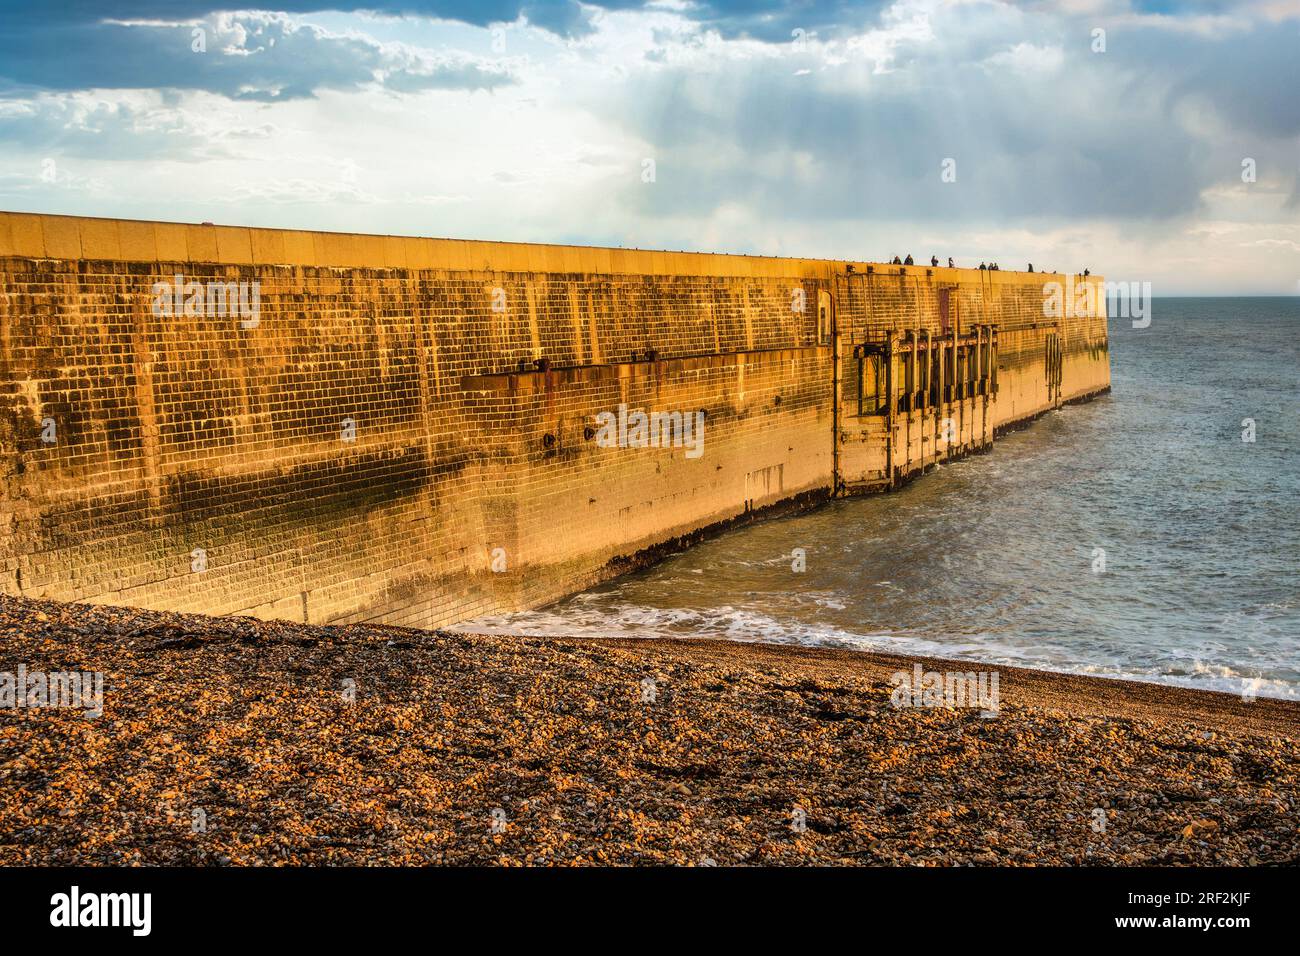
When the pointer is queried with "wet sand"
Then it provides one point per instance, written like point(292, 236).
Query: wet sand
point(229, 741)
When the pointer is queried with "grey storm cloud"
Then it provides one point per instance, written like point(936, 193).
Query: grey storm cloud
point(255, 56)
point(1101, 136)
point(881, 157)
point(771, 20)
point(1252, 80)
point(1095, 136)
point(146, 44)
point(775, 21)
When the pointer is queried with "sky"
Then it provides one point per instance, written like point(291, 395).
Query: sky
point(1149, 141)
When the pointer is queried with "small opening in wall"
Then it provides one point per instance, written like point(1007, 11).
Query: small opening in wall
point(548, 440)
point(589, 433)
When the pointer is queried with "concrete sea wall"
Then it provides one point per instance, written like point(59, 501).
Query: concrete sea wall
point(414, 430)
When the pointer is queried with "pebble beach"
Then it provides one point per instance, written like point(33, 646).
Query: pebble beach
point(238, 742)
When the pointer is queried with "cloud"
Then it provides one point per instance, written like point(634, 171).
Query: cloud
point(268, 190)
point(776, 21)
point(1020, 118)
point(765, 19)
point(1028, 59)
point(265, 57)
point(829, 142)
point(1249, 78)
point(126, 126)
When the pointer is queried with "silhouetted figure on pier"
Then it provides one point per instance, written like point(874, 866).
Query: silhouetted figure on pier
point(934, 260)
point(950, 265)
point(1031, 267)
point(908, 261)
point(1086, 273)
point(897, 261)
point(983, 267)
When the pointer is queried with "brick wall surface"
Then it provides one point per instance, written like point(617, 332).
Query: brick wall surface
point(406, 430)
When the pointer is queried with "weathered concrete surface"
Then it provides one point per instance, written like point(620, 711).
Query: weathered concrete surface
point(204, 462)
